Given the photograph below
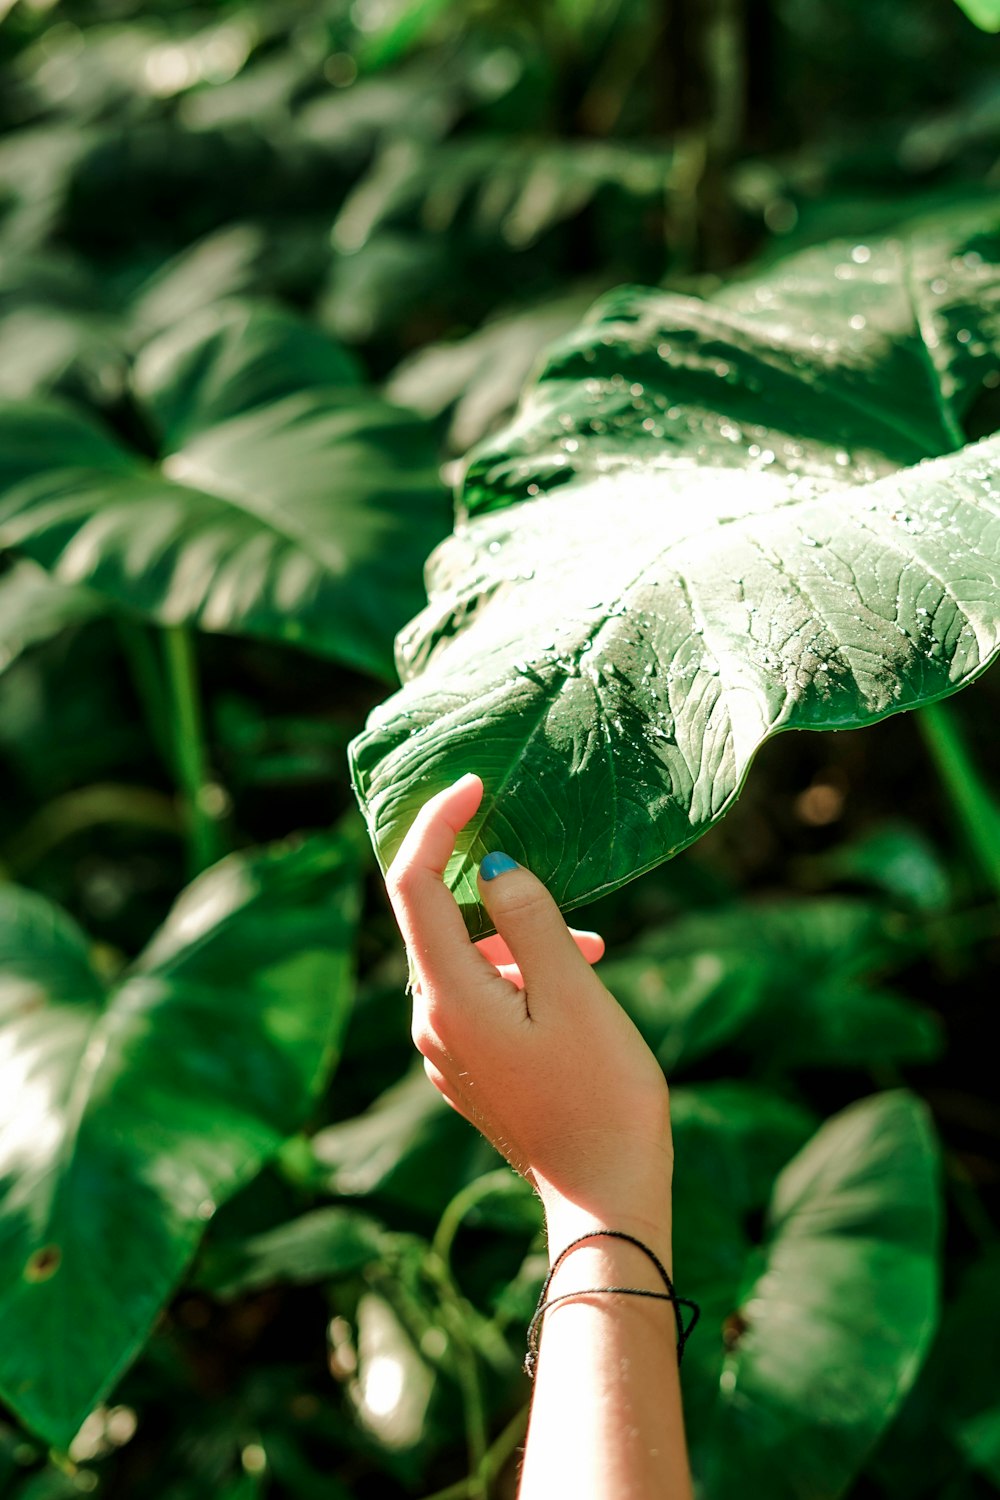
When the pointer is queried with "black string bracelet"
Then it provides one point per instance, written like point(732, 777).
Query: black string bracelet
point(534, 1327)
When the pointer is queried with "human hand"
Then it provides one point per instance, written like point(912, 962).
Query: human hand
point(522, 1038)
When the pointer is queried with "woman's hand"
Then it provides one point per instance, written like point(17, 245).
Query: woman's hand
point(521, 1037)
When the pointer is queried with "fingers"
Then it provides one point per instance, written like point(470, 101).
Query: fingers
point(590, 944)
point(425, 909)
point(532, 926)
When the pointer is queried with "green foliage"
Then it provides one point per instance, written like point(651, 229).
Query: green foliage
point(267, 271)
point(709, 522)
point(983, 13)
point(830, 1332)
point(789, 985)
point(133, 1109)
point(239, 398)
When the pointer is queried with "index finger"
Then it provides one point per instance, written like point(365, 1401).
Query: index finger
point(425, 909)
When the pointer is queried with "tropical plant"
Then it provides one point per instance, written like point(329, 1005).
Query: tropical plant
point(266, 272)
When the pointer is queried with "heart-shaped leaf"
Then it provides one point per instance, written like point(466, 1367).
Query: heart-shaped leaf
point(128, 1112)
point(290, 503)
point(693, 537)
point(822, 1343)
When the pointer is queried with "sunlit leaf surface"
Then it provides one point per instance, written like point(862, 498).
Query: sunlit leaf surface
point(711, 521)
point(129, 1111)
point(290, 503)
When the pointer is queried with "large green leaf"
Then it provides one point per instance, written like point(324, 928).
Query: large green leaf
point(710, 522)
point(290, 503)
point(129, 1112)
point(826, 1338)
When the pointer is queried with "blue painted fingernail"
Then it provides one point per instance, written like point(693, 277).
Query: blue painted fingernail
point(496, 864)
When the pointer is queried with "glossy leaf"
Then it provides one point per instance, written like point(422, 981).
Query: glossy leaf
point(129, 1111)
point(290, 503)
point(830, 1334)
point(710, 522)
point(790, 984)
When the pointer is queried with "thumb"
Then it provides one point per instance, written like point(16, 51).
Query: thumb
point(531, 925)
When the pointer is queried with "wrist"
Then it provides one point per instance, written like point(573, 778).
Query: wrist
point(644, 1213)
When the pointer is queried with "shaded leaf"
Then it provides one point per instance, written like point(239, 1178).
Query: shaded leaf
point(896, 858)
point(692, 538)
point(56, 331)
point(33, 608)
point(790, 983)
point(409, 1149)
point(328, 1242)
point(516, 190)
point(131, 1111)
point(479, 378)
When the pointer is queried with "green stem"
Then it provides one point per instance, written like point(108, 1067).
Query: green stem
point(474, 1408)
point(147, 678)
point(190, 758)
point(493, 1460)
point(971, 798)
point(464, 1200)
point(76, 811)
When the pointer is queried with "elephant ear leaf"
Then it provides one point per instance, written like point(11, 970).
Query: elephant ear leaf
point(289, 502)
point(710, 521)
point(829, 1334)
point(130, 1110)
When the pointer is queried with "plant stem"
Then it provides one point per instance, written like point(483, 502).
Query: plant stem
point(75, 811)
point(147, 678)
point(493, 1460)
point(452, 1312)
point(465, 1199)
point(190, 760)
point(971, 799)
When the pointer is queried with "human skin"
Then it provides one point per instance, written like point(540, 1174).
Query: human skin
point(521, 1037)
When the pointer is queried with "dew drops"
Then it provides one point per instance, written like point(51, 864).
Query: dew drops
point(964, 336)
point(861, 255)
point(939, 286)
point(858, 321)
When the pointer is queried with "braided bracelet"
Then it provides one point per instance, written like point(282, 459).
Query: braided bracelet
point(534, 1327)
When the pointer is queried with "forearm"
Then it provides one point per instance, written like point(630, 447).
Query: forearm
point(606, 1420)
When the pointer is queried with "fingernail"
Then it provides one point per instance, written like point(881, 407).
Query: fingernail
point(496, 864)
